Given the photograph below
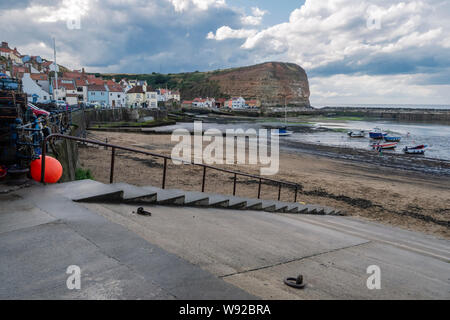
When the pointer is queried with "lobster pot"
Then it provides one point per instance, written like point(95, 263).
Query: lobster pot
point(12, 107)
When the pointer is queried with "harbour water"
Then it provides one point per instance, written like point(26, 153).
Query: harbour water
point(436, 136)
point(334, 133)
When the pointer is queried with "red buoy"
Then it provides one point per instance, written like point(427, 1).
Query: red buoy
point(53, 169)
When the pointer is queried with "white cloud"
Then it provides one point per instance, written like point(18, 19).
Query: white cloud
point(226, 32)
point(183, 5)
point(365, 89)
point(360, 37)
point(255, 19)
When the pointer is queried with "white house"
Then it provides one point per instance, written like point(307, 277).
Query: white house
point(151, 98)
point(235, 103)
point(204, 103)
point(34, 91)
point(116, 96)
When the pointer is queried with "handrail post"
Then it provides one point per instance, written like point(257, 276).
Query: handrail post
point(296, 190)
point(164, 174)
point(234, 184)
point(44, 152)
point(204, 178)
point(279, 191)
point(113, 156)
point(259, 189)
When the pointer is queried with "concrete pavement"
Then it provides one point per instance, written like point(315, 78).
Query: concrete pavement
point(203, 253)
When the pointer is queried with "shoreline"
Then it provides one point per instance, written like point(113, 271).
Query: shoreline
point(408, 199)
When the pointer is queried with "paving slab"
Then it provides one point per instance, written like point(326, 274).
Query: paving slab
point(175, 276)
point(225, 241)
point(35, 261)
point(342, 274)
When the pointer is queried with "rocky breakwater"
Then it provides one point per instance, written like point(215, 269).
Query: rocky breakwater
point(272, 83)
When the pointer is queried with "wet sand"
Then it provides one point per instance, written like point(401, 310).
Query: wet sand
point(408, 199)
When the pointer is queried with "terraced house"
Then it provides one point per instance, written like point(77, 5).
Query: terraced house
point(98, 94)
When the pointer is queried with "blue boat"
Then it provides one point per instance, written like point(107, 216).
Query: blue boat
point(392, 139)
point(377, 134)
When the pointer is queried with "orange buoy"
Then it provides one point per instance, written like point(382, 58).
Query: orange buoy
point(53, 169)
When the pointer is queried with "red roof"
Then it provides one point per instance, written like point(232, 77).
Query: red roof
point(96, 87)
point(114, 87)
point(80, 83)
point(97, 81)
point(137, 89)
point(73, 75)
point(39, 76)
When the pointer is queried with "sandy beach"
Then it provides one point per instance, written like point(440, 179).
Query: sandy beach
point(411, 200)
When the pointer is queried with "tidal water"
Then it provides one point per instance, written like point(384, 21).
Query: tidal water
point(436, 136)
point(334, 133)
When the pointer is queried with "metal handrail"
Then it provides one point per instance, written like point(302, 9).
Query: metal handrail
point(204, 166)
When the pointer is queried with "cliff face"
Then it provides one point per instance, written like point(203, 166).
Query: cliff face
point(269, 82)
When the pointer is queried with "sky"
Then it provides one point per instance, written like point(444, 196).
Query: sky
point(354, 51)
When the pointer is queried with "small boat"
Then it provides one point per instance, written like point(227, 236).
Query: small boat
point(392, 139)
point(356, 134)
point(420, 149)
point(383, 146)
point(377, 134)
point(282, 132)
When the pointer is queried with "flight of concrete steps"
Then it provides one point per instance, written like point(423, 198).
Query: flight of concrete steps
point(93, 191)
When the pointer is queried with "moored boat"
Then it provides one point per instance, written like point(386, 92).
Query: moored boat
point(377, 134)
point(392, 139)
point(356, 134)
point(383, 146)
point(282, 132)
point(420, 149)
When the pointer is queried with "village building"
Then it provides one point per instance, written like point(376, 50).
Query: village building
point(98, 94)
point(255, 103)
point(220, 103)
point(116, 97)
point(204, 103)
point(8, 53)
point(34, 91)
point(235, 103)
point(42, 80)
point(136, 97)
point(151, 98)
point(186, 104)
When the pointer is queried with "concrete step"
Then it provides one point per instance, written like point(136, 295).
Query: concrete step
point(167, 196)
point(88, 191)
point(134, 194)
point(195, 198)
point(92, 191)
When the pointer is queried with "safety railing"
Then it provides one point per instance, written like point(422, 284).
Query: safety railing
point(114, 147)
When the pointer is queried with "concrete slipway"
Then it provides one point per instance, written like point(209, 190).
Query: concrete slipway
point(203, 251)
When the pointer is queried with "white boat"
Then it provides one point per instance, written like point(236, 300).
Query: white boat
point(356, 134)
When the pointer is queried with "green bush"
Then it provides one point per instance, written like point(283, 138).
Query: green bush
point(82, 174)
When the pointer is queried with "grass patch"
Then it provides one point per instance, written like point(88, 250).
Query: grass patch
point(83, 174)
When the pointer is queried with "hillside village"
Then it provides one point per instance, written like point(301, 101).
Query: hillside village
point(76, 87)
